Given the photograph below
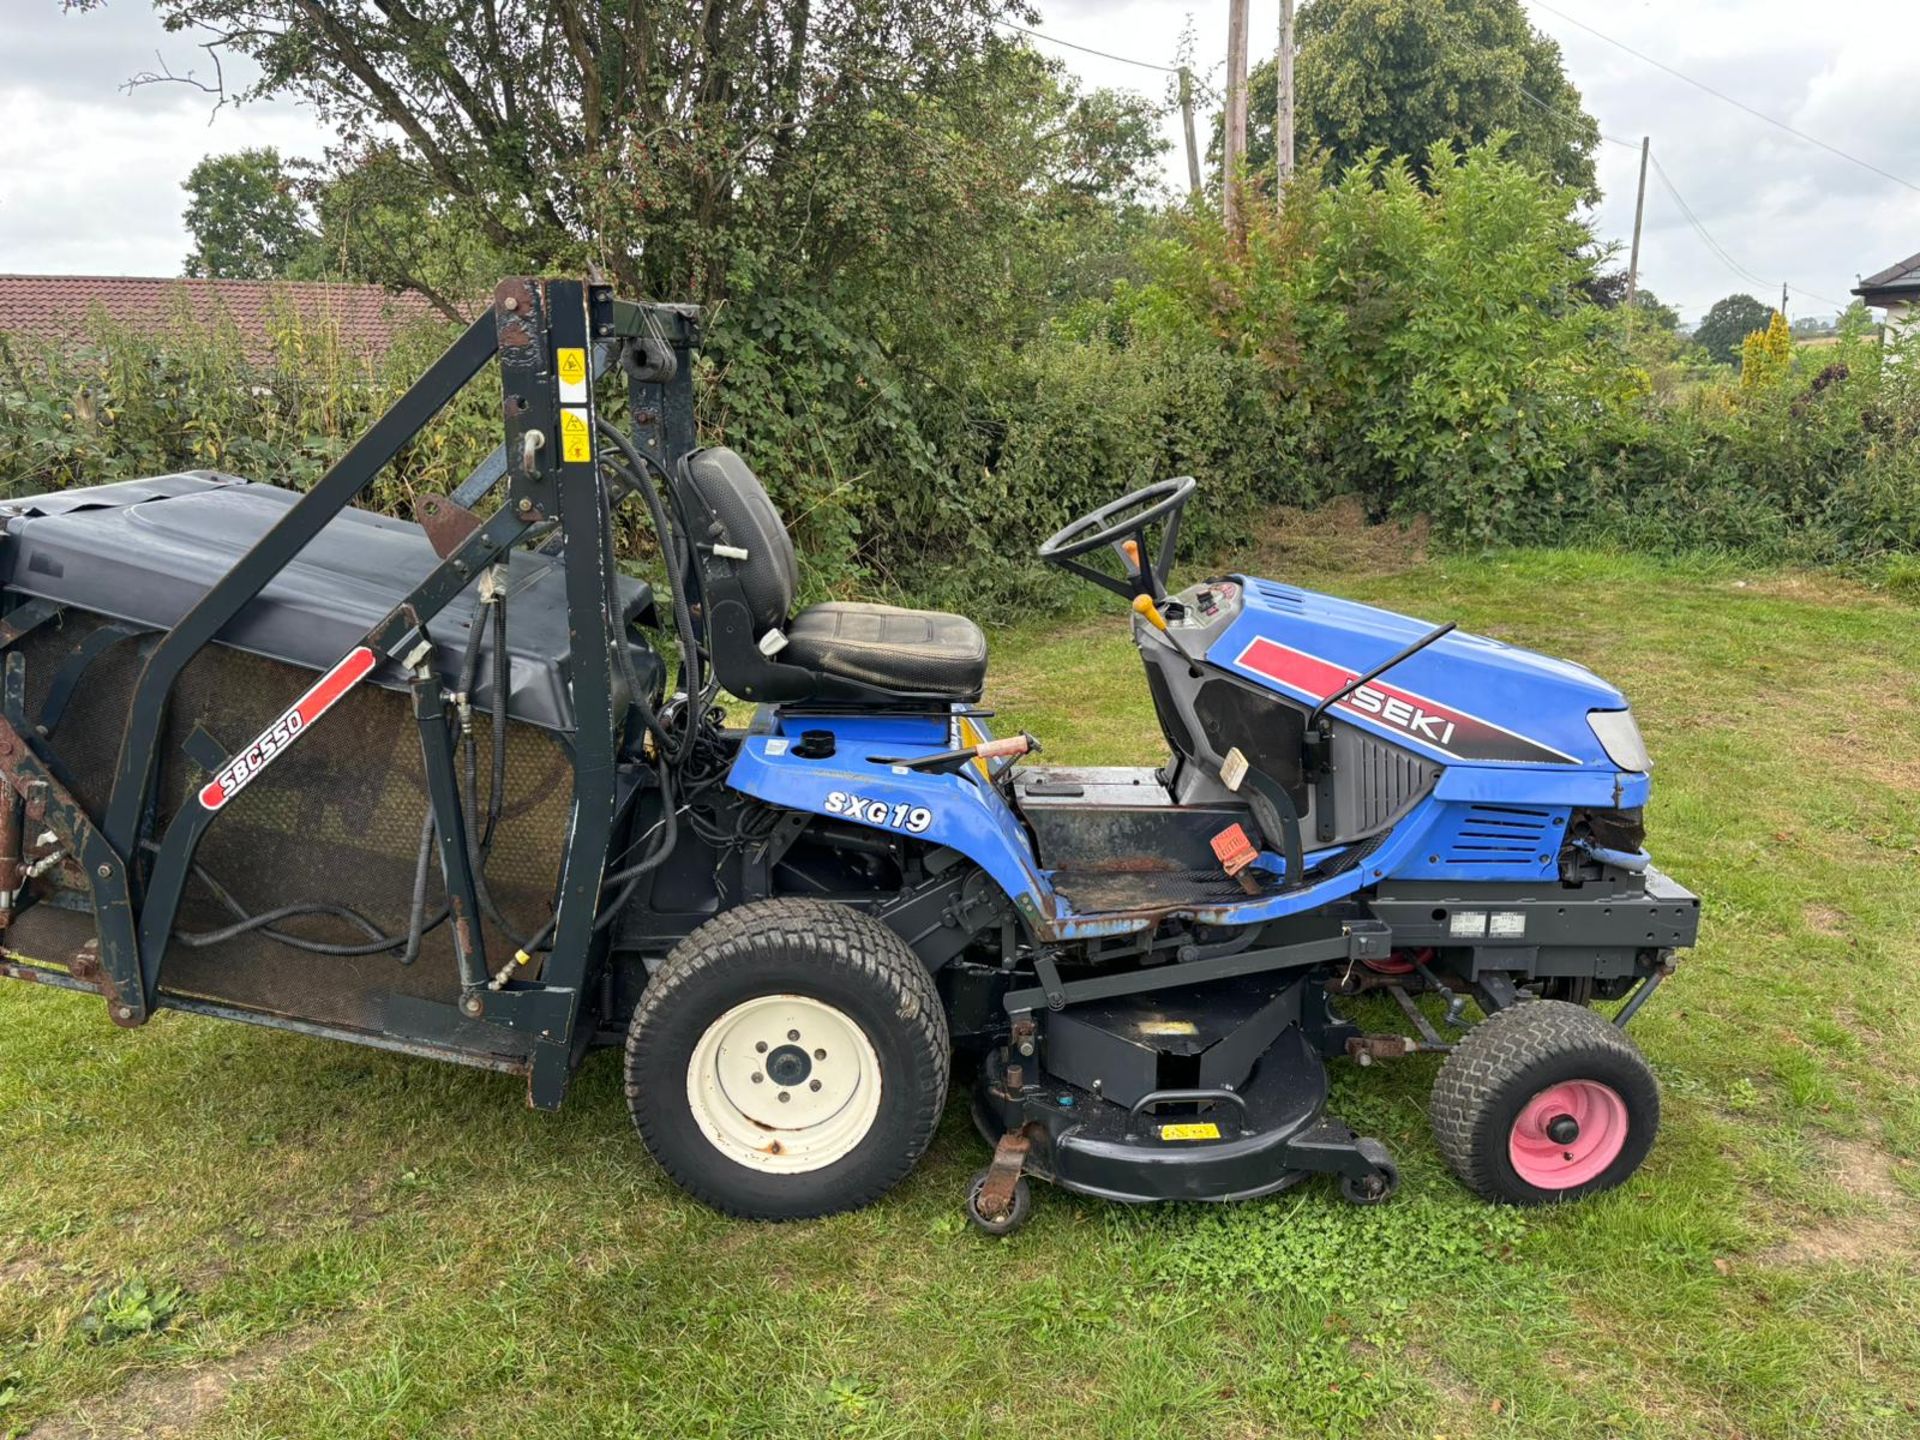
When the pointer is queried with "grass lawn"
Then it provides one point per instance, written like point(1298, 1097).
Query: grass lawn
point(212, 1229)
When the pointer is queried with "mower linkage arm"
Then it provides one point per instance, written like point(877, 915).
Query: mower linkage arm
point(1357, 940)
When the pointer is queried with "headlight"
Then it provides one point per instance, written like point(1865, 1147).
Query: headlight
point(1620, 738)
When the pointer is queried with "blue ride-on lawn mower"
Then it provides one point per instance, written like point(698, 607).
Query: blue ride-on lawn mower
point(502, 828)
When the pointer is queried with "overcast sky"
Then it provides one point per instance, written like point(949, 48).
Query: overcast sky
point(90, 182)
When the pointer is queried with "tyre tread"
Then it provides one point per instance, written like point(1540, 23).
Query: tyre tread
point(841, 936)
point(1495, 1054)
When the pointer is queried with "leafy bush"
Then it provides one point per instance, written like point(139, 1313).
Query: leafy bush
point(119, 404)
point(1430, 348)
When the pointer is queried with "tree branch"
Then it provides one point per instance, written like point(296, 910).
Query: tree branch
point(165, 76)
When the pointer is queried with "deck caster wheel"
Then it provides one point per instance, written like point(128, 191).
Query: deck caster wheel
point(1374, 1188)
point(1544, 1101)
point(1017, 1211)
point(789, 1059)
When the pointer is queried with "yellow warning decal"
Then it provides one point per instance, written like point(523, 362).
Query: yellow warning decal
point(576, 436)
point(1201, 1130)
point(570, 364)
point(1168, 1027)
point(971, 735)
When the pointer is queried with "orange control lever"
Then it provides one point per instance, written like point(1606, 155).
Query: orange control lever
point(1143, 605)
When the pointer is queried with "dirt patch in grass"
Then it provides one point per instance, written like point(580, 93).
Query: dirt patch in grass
point(1825, 920)
point(1652, 1391)
point(1865, 753)
point(1869, 1238)
point(1815, 589)
point(1335, 538)
point(1447, 1382)
point(173, 1402)
point(21, 1270)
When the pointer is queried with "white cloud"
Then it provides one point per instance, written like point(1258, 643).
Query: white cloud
point(91, 182)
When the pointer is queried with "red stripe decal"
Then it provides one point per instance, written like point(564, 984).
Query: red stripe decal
point(1439, 727)
point(274, 741)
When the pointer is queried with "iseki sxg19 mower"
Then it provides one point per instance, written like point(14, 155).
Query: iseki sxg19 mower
point(501, 828)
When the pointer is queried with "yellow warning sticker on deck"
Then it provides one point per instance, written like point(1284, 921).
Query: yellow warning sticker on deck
point(570, 364)
point(1192, 1130)
point(1168, 1027)
point(576, 436)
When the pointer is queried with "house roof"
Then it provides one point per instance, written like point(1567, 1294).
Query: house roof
point(1899, 281)
point(43, 308)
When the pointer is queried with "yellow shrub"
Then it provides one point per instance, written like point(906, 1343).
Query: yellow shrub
point(1766, 355)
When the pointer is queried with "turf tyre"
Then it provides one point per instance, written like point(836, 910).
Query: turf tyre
point(1516, 1054)
point(832, 955)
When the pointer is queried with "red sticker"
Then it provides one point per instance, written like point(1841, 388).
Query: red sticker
point(274, 740)
point(1443, 728)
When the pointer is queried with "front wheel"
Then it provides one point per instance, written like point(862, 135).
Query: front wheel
point(1544, 1101)
point(789, 1059)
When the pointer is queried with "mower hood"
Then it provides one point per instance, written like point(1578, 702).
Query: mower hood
point(1465, 698)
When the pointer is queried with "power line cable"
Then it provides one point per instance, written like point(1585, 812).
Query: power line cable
point(1559, 114)
point(1728, 99)
point(1720, 250)
point(1088, 49)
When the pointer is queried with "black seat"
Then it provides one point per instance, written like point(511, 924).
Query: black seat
point(839, 652)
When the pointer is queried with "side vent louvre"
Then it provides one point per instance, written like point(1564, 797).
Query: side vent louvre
point(1278, 594)
point(1501, 835)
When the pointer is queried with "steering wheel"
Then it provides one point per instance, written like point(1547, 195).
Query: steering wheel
point(1123, 524)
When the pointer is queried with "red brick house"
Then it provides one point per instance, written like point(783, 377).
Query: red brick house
point(53, 308)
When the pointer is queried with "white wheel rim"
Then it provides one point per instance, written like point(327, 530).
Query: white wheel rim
point(784, 1084)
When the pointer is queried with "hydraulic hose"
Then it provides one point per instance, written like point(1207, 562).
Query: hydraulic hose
point(417, 907)
point(380, 943)
point(628, 877)
point(478, 845)
point(642, 467)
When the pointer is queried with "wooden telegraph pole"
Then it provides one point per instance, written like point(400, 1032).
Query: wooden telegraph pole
point(1283, 108)
point(1234, 152)
point(1186, 116)
point(1639, 209)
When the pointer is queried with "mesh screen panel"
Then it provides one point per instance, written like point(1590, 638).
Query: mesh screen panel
point(336, 819)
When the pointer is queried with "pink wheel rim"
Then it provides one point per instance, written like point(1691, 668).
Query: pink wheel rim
point(1590, 1120)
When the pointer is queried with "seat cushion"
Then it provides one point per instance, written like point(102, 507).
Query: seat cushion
point(917, 652)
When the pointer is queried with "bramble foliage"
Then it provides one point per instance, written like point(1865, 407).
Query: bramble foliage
point(1820, 466)
point(120, 404)
point(944, 317)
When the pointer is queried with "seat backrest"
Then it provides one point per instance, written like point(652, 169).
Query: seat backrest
point(733, 496)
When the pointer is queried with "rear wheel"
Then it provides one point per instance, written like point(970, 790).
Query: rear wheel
point(1544, 1101)
point(788, 1059)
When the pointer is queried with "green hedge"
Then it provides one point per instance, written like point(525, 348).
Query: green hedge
point(1427, 347)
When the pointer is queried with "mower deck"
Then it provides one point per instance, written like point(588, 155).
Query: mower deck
point(1209, 1093)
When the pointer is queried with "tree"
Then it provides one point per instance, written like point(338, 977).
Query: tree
point(1398, 75)
point(1609, 292)
point(1728, 324)
point(685, 148)
point(382, 221)
point(244, 216)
